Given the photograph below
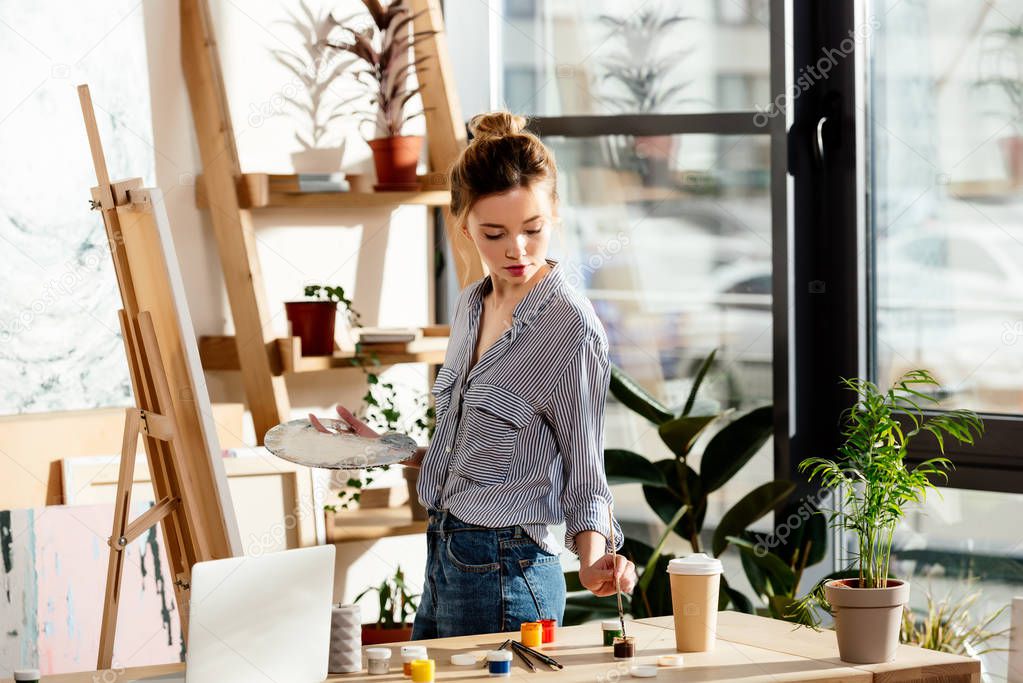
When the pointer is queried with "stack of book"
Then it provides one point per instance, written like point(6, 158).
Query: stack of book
point(395, 339)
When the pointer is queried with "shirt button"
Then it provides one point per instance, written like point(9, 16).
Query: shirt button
point(448, 449)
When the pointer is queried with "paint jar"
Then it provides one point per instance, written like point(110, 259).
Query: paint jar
point(548, 627)
point(410, 653)
point(378, 660)
point(624, 647)
point(422, 670)
point(499, 662)
point(532, 634)
point(26, 675)
point(612, 629)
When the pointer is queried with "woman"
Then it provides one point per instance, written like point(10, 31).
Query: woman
point(518, 444)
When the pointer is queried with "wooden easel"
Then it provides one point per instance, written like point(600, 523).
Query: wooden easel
point(173, 414)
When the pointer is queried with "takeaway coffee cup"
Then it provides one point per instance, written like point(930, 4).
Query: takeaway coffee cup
point(695, 580)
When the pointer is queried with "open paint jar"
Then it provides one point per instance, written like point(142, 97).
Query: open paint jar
point(532, 634)
point(499, 662)
point(612, 628)
point(548, 627)
point(423, 670)
point(624, 647)
point(410, 653)
point(378, 660)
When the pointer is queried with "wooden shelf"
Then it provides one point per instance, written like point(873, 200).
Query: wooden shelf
point(221, 353)
point(269, 191)
point(371, 524)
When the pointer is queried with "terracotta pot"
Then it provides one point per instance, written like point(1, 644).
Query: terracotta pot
point(372, 634)
point(867, 619)
point(411, 475)
point(313, 322)
point(1012, 155)
point(395, 159)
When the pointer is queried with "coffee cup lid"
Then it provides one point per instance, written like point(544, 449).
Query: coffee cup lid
point(697, 564)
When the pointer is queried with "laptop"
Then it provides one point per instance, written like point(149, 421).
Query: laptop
point(263, 618)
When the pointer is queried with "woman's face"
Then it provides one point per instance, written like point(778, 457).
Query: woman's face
point(512, 229)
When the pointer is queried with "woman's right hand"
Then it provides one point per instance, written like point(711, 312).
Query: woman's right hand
point(352, 424)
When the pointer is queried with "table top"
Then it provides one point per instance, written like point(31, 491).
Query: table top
point(748, 648)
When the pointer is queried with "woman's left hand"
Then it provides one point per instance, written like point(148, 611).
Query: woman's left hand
point(599, 577)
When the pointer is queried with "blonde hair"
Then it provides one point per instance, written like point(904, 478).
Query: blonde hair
point(501, 156)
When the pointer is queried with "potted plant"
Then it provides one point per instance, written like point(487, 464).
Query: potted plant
point(640, 71)
point(876, 485)
point(312, 320)
point(384, 47)
point(397, 605)
point(1002, 56)
point(310, 94)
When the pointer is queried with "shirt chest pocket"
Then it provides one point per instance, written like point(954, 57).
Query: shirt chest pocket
point(492, 420)
point(441, 391)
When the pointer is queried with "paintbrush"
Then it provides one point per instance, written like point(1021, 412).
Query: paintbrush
point(614, 557)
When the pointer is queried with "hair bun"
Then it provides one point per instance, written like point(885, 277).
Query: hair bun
point(496, 124)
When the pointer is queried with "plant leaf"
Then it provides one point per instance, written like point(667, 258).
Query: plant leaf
point(626, 467)
point(680, 433)
point(636, 398)
point(754, 505)
point(734, 445)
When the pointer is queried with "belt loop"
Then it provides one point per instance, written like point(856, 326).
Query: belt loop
point(443, 523)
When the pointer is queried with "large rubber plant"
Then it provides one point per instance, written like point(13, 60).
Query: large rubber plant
point(678, 494)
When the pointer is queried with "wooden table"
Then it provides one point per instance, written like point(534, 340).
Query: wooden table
point(749, 648)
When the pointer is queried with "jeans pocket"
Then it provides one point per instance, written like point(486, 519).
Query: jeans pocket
point(546, 582)
point(491, 422)
point(472, 551)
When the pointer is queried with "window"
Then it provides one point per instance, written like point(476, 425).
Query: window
point(670, 201)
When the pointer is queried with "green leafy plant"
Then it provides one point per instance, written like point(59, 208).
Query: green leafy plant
point(947, 625)
point(774, 563)
point(870, 473)
point(383, 46)
point(316, 73)
point(380, 402)
point(397, 603)
point(337, 295)
point(679, 495)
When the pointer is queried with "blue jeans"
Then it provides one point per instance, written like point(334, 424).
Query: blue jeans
point(485, 580)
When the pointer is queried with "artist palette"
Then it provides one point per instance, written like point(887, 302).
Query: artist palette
point(298, 441)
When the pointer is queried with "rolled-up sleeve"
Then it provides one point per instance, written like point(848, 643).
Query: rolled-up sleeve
point(577, 414)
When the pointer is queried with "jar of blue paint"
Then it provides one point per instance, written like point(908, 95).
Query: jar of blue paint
point(499, 662)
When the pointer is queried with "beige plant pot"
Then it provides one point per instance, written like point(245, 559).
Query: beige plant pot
point(867, 619)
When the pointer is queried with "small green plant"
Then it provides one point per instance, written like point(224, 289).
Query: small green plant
point(397, 603)
point(380, 411)
point(947, 625)
point(871, 476)
point(337, 295)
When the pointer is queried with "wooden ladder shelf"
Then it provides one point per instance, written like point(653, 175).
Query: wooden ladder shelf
point(231, 196)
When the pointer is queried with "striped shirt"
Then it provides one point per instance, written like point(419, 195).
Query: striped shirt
point(519, 437)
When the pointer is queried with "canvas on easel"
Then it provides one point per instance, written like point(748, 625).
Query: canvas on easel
point(173, 413)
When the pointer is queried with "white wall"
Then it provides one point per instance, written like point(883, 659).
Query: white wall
point(378, 256)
